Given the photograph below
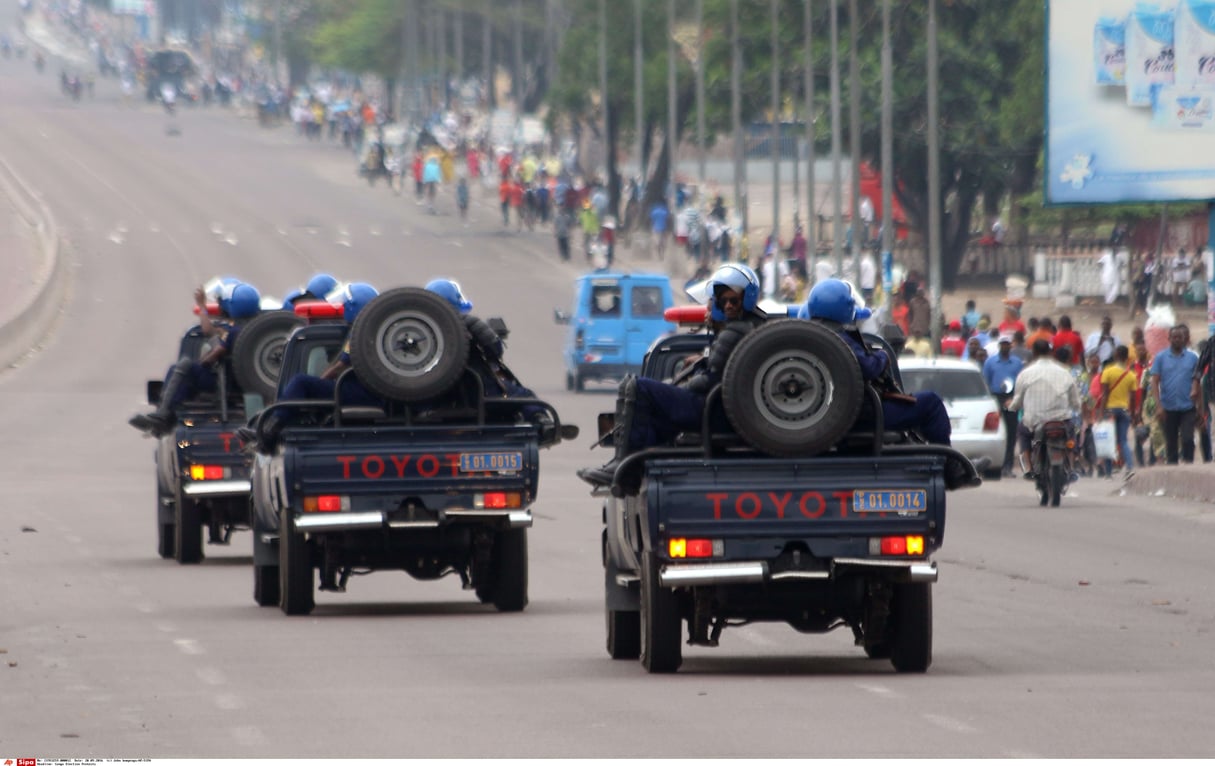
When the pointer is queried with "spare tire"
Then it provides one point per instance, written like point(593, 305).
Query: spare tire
point(792, 388)
point(408, 344)
point(257, 355)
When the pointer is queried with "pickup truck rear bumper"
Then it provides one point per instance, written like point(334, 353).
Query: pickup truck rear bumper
point(742, 572)
point(216, 488)
point(345, 521)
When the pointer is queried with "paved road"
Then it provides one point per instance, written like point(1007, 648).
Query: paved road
point(1079, 631)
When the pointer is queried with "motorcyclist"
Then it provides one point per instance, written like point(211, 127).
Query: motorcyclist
point(650, 412)
point(187, 378)
point(835, 304)
point(1045, 391)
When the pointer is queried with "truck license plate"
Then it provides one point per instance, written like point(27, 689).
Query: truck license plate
point(890, 500)
point(471, 462)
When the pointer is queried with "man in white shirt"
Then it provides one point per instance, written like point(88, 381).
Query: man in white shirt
point(1102, 342)
point(868, 278)
point(1181, 273)
point(1044, 391)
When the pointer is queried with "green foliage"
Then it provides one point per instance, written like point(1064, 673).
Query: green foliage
point(361, 36)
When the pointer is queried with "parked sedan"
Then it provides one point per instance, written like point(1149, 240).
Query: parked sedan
point(978, 429)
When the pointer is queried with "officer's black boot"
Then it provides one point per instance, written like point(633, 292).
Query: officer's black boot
point(161, 421)
point(626, 409)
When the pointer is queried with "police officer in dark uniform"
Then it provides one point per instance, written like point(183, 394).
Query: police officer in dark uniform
point(834, 303)
point(650, 412)
point(187, 379)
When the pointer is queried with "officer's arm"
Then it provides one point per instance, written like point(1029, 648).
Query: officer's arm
point(204, 319)
point(214, 355)
point(335, 368)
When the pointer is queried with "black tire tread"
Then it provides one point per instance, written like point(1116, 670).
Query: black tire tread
point(255, 333)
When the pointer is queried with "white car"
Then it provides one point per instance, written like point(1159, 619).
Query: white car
point(974, 414)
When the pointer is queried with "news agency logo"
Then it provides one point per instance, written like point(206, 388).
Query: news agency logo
point(23, 762)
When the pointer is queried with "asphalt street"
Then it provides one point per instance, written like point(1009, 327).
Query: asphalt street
point(1079, 631)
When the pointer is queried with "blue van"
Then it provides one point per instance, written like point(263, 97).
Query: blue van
point(614, 320)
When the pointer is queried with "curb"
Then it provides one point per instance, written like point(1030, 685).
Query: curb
point(25, 332)
point(1191, 482)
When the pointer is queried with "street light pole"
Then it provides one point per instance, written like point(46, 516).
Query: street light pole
point(740, 170)
point(837, 201)
point(775, 140)
point(934, 182)
point(671, 105)
point(603, 93)
point(811, 112)
point(887, 152)
point(700, 93)
point(638, 90)
point(854, 138)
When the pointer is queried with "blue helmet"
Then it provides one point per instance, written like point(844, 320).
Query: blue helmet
point(449, 290)
point(352, 297)
point(240, 301)
point(834, 299)
point(217, 287)
point(736, 276)
point(321, 285)
point(291, 297)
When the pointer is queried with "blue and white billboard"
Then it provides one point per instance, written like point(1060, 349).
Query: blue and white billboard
point(1130, 101)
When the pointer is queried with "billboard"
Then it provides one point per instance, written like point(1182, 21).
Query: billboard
point(1130, 92)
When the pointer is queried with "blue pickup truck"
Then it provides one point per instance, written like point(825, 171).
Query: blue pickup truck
point(614, 320)
point(825, 525)
point(437, 481)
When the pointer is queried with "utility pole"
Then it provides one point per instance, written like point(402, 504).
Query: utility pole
point(773, 6)
point(603, 94)
point(638, 91)
point(487, 57)
point(700, 94)
point(458, 14)
point(811, 117)
point(441, 31)
point(740, 168)
point(278, 39)
point(854, 138)
point(837, 200)
point(672, 142)
point(516, 77)
point(934, 182)
point(887, 153)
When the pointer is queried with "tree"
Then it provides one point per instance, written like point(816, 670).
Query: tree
point(363, 36)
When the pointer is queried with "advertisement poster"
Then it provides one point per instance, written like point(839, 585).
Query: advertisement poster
point(1130, 101)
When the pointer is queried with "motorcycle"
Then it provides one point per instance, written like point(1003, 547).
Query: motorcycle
point(1052, 449)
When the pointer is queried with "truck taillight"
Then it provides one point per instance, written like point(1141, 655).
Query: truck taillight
point(209, 472)
point(991, 422)
point(694, 548)
point(493, 501)
point(897, 545)
point(326, 503)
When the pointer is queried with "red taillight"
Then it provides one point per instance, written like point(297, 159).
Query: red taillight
point(318, 310)
point(326, 503)
point(683, 548)
point(212, 309)
point(207, 472)
point(902, 545)
point(496, 501)
point(991, 422)
point(686, 314)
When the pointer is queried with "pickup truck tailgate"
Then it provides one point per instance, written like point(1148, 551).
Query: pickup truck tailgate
point(833, 506)
point(211, 462)
point(409, 475)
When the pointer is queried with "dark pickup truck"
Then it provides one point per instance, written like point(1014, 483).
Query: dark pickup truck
point(202, 476)
point(714, 532)
point(438, 481)
point(202, 471)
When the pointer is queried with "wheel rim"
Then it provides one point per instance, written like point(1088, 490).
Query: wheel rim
point(410, 344)
point(269, 360)
point(794, 389)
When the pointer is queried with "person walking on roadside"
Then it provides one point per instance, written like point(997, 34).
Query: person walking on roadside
point(660, 219)
point(462, 198)
point(1118, 389)
point(1001, 371)
point(1102, 342)
point(504, 194)
point(1175, 377)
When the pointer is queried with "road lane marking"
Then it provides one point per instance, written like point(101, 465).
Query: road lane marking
point(881, 691)
point(188, 646)
point(949, 724)
point(210, 676)
point(228, 702)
